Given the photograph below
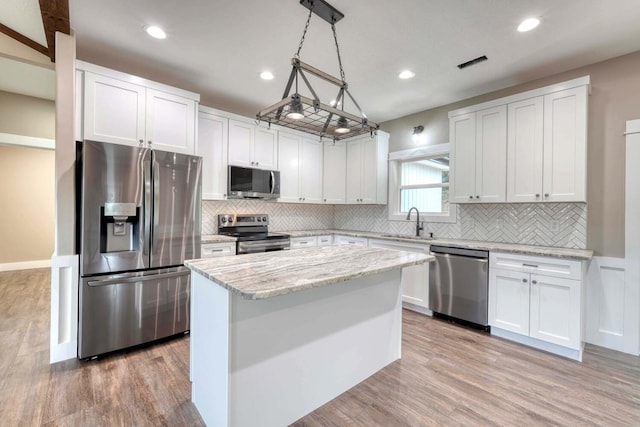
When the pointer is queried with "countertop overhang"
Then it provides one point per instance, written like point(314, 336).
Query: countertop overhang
point(270, 274)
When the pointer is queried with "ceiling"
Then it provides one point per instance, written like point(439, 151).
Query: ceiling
point(218, 48)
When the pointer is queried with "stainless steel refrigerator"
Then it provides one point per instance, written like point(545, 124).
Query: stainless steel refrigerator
point(139, 219)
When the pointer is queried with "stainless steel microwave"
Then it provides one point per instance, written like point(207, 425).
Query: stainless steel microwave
point(250, 183)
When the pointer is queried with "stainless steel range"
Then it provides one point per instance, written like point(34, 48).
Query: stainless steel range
point(252, 234)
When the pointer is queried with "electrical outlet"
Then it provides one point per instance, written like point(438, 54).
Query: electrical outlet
point(499, 223)
point(555, 225)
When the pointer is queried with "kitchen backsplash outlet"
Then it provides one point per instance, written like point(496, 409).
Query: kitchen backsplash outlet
point(531, 224)
point(282, 216)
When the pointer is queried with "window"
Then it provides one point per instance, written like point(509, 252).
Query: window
point(420, 178)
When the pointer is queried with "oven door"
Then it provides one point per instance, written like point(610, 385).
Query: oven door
point(257, 246)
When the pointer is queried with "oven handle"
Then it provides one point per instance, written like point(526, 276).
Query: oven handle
point(261, 245)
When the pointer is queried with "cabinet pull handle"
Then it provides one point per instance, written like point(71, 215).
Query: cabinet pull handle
point(524, 280)
point(216, 250)
point(529, 265)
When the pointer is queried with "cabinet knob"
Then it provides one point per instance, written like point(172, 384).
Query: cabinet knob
point(524, 280)
point(149, 142)
point(257, 163)
point(537, 195)
point(546, 194)
point(534, 282)
point(470, 197)
point(325, 200)
point(141, 142)
point(477, 197)
point(304, 198)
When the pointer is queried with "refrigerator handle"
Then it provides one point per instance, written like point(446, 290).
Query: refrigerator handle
point(169, 275)
point(147, 203)
point(156, 204)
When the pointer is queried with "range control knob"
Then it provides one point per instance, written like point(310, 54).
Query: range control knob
point(259, 219)
point(264, 219)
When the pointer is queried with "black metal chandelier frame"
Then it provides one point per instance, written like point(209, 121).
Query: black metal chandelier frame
point(316, 117)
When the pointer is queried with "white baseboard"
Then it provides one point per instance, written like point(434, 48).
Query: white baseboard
point(25, 265)
point(540, 345)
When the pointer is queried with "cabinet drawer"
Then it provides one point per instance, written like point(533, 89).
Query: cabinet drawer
point(325, 240)
point(212, 250)
point(348, 240)
point(303, 242)
point(546, 266)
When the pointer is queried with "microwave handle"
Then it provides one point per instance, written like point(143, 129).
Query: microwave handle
point(272, 182)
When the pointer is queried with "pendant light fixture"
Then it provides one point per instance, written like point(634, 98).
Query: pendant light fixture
point(308, 113)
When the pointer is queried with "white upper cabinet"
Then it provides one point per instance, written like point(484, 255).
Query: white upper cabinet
point(170, 122)
point(479, 152)
point(545, 159)
point(300, 161)
point(212, 146)
point(524, 148)
point(117, 110)
point(565, 145)
point(334, 176)
point(251, 145)
point(548, 148)
point(367, 169)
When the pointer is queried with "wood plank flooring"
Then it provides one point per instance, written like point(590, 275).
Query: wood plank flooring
point(448, 375)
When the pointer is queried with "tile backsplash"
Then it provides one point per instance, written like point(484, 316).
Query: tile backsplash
point(546, 224)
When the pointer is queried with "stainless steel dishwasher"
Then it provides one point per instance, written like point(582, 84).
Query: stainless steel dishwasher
point(458, 285)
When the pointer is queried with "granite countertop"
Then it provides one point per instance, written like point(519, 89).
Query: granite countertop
point(216, 238)
point(266, 275)
point(569, 253)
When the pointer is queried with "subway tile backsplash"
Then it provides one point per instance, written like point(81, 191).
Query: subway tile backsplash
point(546, 224)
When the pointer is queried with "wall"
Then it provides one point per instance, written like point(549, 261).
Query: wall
point(282, 216)
point(614, 87)
point(26, 115)
point(26, 197)
point(26, 180)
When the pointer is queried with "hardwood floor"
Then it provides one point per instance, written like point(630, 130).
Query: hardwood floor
point(448, 375)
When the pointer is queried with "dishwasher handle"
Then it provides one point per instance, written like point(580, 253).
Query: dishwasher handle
point(464, 252)
point(468, 258)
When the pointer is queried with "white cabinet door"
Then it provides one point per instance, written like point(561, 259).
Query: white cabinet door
point(170, 122)
point(565, 147)
point(241, 136)
point(491, 155)
point(212, 146)
point(334, 174)
point(265, 148)
point(289, 146)
point(524, 149)
point(415, 279)
point(509, 300)
point(462, 137)
point(311, 170)
point(114, 111)
point(555, 310)
point(214, 250)
point(369, 179)
point(355, 151)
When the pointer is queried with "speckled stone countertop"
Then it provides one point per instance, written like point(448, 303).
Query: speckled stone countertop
point(269, 274)
point(216, 238)
point(578, 254)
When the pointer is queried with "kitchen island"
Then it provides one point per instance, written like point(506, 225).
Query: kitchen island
point(278, 334)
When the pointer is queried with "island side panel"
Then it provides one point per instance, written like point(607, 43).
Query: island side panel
point(209, 339)
point(293, 353)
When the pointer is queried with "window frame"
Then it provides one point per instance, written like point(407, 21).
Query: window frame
point(395, 159)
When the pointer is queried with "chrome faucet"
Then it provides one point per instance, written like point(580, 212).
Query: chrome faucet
point(418, 226)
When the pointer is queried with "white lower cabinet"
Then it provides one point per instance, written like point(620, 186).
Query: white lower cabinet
point(415, 279)
point(539, 299)
point(304, 242)
point(213, 250)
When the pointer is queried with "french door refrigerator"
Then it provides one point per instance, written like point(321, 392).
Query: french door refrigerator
point(139, 219)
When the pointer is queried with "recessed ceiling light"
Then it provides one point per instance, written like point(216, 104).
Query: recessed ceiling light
point(406, 74)
point(266, 75)
point(155, 32)
point(528, 24)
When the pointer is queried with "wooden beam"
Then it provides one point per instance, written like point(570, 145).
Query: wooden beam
point(24, 40)
point(55, 17)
